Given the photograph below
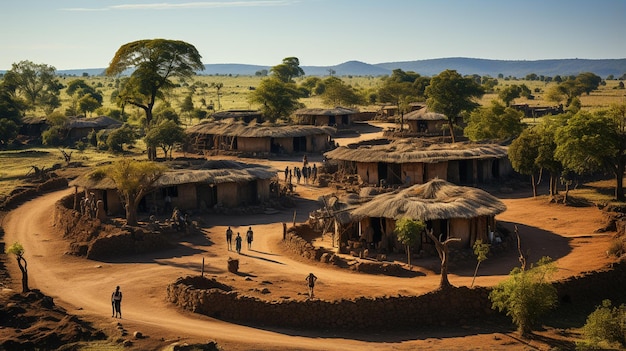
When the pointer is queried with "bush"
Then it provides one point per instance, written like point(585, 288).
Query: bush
point(605, 328)
point(616, 247)
point(526, 295)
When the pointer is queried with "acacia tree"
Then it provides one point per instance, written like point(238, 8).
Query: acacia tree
point(595, 142)
point(450, 93)
point(154, 63)
point(409, 233)
point(18, 250)
point(288, 70)
point(442, 250)
point(165, 135)
point(277, 98)
point(133, 179)
point(494, 122)
point(337, 93)
point(36, 84)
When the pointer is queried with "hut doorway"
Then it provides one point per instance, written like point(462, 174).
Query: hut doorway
point(439, 227)
point(274, 147)
point(382, 173)
point(249, 193)
point(206, 195)
point(495, 169)
point(465, 171)
point(345, 120)
point(377, 224)
point(299, 144)
point(332, 121)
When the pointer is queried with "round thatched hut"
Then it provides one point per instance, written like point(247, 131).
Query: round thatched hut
point(449, 210)
point(335, 117)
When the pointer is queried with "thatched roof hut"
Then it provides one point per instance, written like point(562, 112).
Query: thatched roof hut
point(214, 183)
point(415, 161)
point(335, 117)
point(259, 138)
point(449, 210)
point(246, 116)
point(79, 127)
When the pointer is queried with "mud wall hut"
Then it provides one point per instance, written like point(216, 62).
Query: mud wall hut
point(259, 138)
point(448, 210)
point(339, 117)
point(213, 184)
point(245, 116)
point(78, 128)
point(416, 161)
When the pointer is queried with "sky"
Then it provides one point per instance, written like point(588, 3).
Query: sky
point(82, 34)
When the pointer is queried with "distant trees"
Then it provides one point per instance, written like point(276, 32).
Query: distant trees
point(337, 93)
point(133, 180)
point(402, 88)
point(165, 135)
point(84, 97)
point(450, 93)
point(10, 118)
point(495, 122)
point(511, 92)
point(36, 84)
point(287, 70)
point(154, 62)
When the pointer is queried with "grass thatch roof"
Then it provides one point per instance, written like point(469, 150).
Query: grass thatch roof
point(437, 199)
point(211, 172)
point(99, 122)
point(416, 151)
point(424, 115)
point(337, 111)
point(254, 130)
point(236, 114)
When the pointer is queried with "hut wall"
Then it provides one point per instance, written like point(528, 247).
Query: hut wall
point(227, 194)
point(437, 170)
point(368, 171)
point(253, 144)
point(114, 203)
point(263, 189)
point(187, 197)
point(460, 228)
point(454, 172)
point(76, 134)
point(415, 171)
point(318, 143)
point(285, 143)
point(321, 120)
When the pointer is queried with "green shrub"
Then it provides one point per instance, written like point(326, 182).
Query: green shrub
point(605, 328)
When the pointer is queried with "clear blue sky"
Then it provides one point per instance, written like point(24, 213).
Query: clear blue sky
point(75, 34)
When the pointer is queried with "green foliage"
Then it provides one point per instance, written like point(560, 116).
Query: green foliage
point(10, 119)
point(409, 233)
point(53, 136)
point(276, 98)
point(526, 294)
point(605, 327)
point(37, 84)
point(15, 249)
point(165, 135)
point(288, 70)
point(450, 93)
point(116, 139)
point(481, 250)
point(509, 93)
point(496, 122)
point(337, 93)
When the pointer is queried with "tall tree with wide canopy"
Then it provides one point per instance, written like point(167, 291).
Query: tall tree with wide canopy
point(402, 88)
point(450, 93)
point(494, 122)
point(10, 118)
point(36, 84)
point(288, 70)
point(133, 179)
point(154, 63)
point(595, 142)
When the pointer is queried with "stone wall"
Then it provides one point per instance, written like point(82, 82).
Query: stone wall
point(450, 307)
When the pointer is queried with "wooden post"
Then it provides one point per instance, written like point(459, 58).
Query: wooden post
point(202, 274)
point(294, 218)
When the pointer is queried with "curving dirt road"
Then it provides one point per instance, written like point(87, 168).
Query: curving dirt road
point(83, 286)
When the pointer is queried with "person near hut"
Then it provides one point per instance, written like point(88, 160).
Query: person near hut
point(298, 174)
point(310, 279)
point(249, 237)
point(116, 302)
point(314, 173)
point(238, 240)
point(286, 172)
point(305, 161)
point(229, 238)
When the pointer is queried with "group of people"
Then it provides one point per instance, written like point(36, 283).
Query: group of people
point(88, 205)
point(307, 172)
point(239, 239)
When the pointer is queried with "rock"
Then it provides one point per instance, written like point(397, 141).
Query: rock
point(138, 335)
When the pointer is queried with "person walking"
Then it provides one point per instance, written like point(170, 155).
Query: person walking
point(311, 278)
point(286, 173)
point(229, 238)
point(116, 302)
point(238, 240)
point(249, 237)
point(314, 173)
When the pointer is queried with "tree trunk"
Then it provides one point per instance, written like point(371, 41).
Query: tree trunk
point(451, 128)
point(619, 180)
point(475, 273)
point(23, 267)
point(408, 255)
point(532, 179)
point(131, 212)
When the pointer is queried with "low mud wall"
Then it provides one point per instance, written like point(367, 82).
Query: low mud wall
point(455, 306)
point(93, 239)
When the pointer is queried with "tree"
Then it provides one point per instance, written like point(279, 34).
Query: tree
point(402, 88)
point(509, 93)
point(494, 122)
point(277, 98)
point(10, 119)
point(409, 233)
point(218, 87)
point(124, 135)
point(154, 62)
point(606, 326)
point(450, 94)
point(594, 142)
point(337, 93)
point(37, 84)
point(481, 250)
point(442, 250)
point(165, 135)
point(288, 70)
point(526, 294)
point(18, 250)
point(84, 97)
point(523, 153)
point(133, 179)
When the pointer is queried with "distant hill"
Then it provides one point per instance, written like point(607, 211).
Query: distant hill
point(465, 66)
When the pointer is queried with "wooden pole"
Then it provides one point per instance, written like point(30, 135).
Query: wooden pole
point(202, 274)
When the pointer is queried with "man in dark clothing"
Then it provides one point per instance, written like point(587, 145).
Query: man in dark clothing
point(229, 238)
point(116, 301)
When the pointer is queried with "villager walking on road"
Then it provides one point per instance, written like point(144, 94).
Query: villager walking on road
point(249, 237)
point(286, 173)
point(311, 278)
point(229, 238)
point(238, 240)
point(116, 302)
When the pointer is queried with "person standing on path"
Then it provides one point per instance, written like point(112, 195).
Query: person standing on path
point(116, 301)
point(311, 278)
point(238, 243)
point(229, 238)
point(249, 237)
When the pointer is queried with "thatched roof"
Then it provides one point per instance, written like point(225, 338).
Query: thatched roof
point(337, 111)
point(211, 172)
point(254, 130)
point(424, 115)
point(436, 199)
point(34, 120)
point(99, 122)
point(416, 151)
point(236, 114)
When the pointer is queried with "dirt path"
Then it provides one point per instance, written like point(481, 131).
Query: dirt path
point(84, 286)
